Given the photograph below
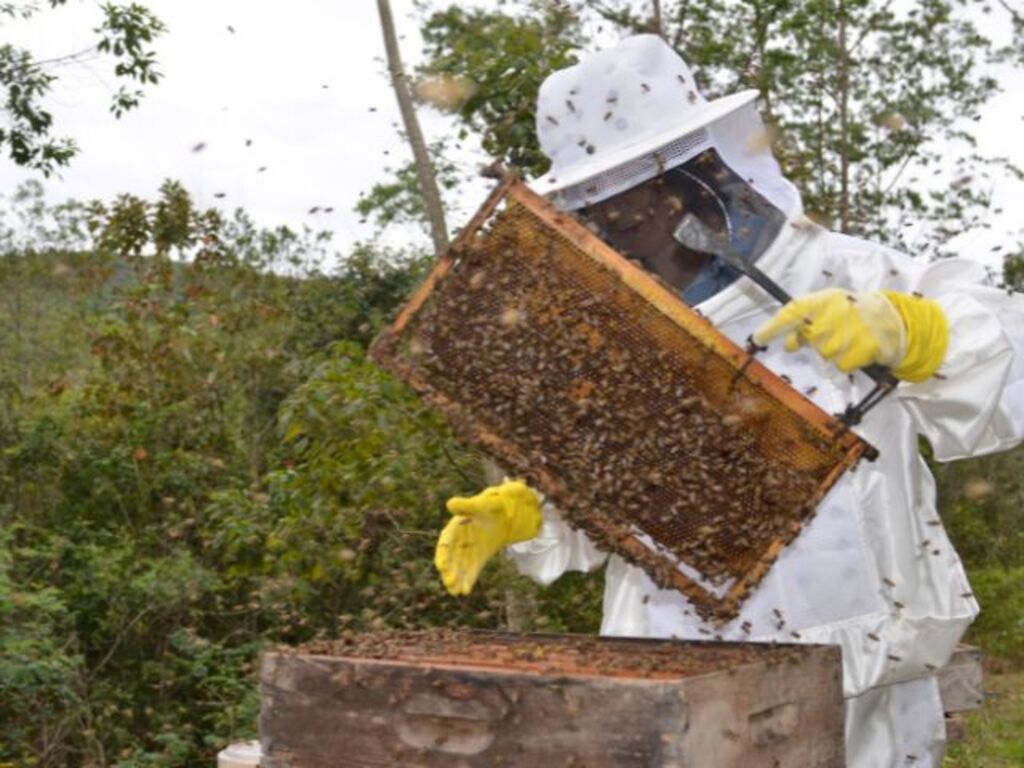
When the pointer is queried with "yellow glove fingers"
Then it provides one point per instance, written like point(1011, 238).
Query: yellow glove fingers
point(787, 319)
point(522, 511)
point(470, 555)
point(826, 318)
point(443, 556)
point(480, 526)
point(837, 341)
point(456, 557)
point(797, 315)
point(485, 503)
point(907, 333)
point(855, 357)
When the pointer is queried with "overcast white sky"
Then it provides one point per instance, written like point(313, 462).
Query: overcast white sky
point(304, 81)
point(299, 79)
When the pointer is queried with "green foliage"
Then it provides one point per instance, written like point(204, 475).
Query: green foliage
point(1000, 626)
point(506, 57)
point(398, 200)
point(138, 388)
point(40, 670)
point(500, 61)
point(1013, 270)
point(864, 107)
point(125, 36)
point(197, 459)
point(995, 733)
point(864, 104)
point(982, 505)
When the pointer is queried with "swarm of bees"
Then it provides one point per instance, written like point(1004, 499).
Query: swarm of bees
point(551, 654)
point(635, 429)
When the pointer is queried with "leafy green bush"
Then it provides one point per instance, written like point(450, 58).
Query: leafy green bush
point(982, 503)
point(193, 466)
point(1000, 626)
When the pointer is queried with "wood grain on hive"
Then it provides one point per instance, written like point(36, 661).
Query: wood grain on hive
point(475, 700)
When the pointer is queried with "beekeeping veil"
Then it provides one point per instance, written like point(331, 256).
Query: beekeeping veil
point(631, 113)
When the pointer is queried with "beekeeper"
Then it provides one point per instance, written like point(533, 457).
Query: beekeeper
point(632, 144)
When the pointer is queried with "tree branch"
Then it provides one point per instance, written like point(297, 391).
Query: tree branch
point(1017, 16)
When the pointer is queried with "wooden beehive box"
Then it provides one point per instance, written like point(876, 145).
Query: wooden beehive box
point(475, 700)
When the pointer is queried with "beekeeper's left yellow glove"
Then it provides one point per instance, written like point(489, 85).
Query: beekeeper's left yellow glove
point(480, 527)
point(906, 333)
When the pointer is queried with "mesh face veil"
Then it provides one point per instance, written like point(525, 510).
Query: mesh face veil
point(708, 188)
point(752, 221)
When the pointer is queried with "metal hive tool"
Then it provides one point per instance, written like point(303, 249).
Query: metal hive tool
point(648, 428)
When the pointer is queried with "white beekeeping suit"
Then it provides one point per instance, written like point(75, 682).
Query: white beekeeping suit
point(874, 571)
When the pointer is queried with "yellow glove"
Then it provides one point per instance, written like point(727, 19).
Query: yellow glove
point(480, 527)
point(906, 333)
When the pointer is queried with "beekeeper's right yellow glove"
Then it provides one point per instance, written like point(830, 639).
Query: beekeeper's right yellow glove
point(907, 333)
point(480, 527)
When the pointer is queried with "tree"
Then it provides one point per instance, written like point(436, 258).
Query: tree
point(485, 68)
point(506, 58)
point(425, 175)
point(866, 111)
point(124, 36)
point(197, 458)
point(397, 199)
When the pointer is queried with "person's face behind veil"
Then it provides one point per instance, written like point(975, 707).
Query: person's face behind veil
point(639, 222)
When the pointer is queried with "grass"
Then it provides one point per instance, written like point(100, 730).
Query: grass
point(995, 733)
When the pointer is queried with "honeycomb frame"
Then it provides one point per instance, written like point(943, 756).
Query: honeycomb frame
point(759, 456)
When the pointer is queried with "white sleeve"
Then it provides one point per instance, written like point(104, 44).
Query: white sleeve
point(556, 549)
point(975, 403)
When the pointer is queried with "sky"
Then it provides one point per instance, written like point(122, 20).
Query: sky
point(307, 87)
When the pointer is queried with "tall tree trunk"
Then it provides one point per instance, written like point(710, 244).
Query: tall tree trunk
point(659, 29)
point(424, 168)
point(844, 122)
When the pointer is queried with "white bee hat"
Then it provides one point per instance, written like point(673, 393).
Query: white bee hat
point(620, 117)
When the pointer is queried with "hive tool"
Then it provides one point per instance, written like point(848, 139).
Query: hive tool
point(694, 234)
